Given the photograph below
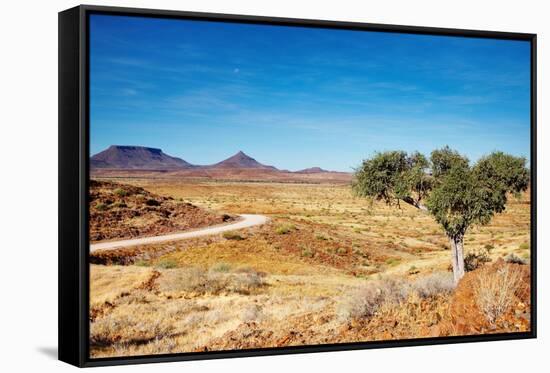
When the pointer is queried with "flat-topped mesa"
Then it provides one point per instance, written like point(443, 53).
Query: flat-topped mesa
point(312, 170)
point(137, 157)
point(241, 160)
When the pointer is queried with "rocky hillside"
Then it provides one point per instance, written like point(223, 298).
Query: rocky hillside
point(119, 211)
point(136, 157)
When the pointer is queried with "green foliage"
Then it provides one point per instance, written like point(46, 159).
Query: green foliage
point(503, 172)
point(445, 159)
point(231, 235)
point(392, 261)
point(101, 206)
point(379, 175)
point(308, 253)
point(476, 259)
point(285, 228)
point(524, 246)
point(393, 176)
point(167, 264)
point(456, 193)
point(472, 195)
point(459, 201)
point(413, 270)
point(120, 192)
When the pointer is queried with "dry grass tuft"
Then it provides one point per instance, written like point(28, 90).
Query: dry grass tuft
point(439, 283)
point(128, 328)
point(107, 283)
point(311, 282)
point(494, 293)
point(217, 280)
point(369, 298)
point(373, 296)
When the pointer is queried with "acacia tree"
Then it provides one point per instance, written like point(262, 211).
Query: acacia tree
point(456, 193)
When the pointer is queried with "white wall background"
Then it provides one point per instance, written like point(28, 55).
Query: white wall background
point(28, 183)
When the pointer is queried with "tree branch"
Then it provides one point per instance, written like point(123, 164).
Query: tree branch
point(411, 201)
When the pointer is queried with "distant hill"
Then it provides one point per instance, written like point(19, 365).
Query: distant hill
point(240, 161)
point(312, 170)
point(138, 158)
point(140, 161)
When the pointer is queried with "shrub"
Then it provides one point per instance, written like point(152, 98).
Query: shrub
point(196, 280)
point(392, 261)
point(476, 259)
point(221, 267)
point(141, 263)
point(231, 235)
point(513, 258)
point(366, 302)
point(413, 270)
point(494, 292)
point(434, 284)
point(370, 297)
point(120, 192)
point(306, 252)
point(285, 228)
point(167, 264)
point(128, 328)
point(524, 246)
point(489, 247)
point(152, 202)
point(245, 283)
point(342, 251)
point(321, 237)
point(252, 313)
point(249, 270)
point(119, 205)
point(101, 206)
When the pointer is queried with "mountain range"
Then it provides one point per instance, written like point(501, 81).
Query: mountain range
point(131, 157)
point(127, 160)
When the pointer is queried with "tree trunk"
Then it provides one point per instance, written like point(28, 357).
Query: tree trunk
point(457, 253)
point(411, 201)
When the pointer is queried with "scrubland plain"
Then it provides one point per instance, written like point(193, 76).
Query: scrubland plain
point(326, 268)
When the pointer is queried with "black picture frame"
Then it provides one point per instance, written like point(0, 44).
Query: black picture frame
point(74, 177)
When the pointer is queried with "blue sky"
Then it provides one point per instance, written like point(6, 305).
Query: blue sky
point(301, 97)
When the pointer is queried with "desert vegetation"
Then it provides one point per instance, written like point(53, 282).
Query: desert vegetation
point(328, 267)
point(457, 194)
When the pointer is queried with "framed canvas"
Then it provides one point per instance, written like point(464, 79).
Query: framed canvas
point(234, 186)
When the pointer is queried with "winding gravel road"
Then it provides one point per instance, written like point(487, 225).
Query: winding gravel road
point(248, 220)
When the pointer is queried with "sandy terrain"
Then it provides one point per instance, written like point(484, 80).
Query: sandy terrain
point(326, 268)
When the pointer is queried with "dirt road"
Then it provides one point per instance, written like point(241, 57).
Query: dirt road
point(248, 220)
